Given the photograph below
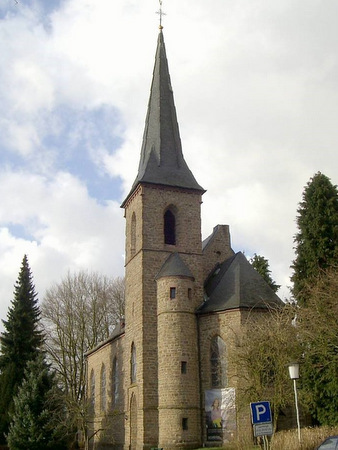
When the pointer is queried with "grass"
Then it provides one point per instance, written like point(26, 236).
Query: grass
point(287, 440)
point(310, 438)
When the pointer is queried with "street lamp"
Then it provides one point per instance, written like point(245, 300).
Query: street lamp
point(294, 375)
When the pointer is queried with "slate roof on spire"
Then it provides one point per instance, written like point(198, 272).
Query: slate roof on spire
point(162, 160)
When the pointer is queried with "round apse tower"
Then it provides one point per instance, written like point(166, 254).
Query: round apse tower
point(178, 365)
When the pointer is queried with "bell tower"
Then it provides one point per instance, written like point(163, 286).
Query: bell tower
point(164, 282)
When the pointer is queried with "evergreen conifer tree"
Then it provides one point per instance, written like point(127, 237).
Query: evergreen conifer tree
point(20, 342)
point(261, 264)
point(317, 237)
point(34, 424)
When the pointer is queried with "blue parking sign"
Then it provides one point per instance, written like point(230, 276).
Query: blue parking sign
point(260, 412)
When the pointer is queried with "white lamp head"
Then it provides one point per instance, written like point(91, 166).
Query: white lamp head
point(294, 371)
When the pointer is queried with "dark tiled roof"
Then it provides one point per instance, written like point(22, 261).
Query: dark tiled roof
point(236, 284)
point(162, 160)
point(174, 266)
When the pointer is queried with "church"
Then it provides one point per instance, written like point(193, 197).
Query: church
point(167, 377)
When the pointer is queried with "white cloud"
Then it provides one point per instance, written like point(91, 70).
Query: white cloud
point(255, 86)
point(68, 230)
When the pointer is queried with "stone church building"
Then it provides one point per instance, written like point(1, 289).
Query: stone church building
point(167, 378)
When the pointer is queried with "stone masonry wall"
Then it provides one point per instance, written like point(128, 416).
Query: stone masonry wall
point(226, 325)
point(108, 421)
point(179, 401)
point(217, 250)
point(145, 254)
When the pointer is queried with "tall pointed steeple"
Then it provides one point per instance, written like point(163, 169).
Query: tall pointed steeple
point(162, 160)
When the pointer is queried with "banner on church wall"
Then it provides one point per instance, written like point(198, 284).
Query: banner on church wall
point(220, 411)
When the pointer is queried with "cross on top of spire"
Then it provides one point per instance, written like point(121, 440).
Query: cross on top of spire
point(160, 13)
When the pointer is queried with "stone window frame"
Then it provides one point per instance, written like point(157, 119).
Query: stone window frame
point(115, 381)
point(133, 364)
point(169, 225)
point(103, 385)
point(218, 362)
point(92, 388)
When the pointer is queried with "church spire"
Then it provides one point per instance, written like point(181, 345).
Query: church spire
point(162, 160)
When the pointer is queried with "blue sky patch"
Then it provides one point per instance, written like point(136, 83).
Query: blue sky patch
point(78, 143)
point(20, 231)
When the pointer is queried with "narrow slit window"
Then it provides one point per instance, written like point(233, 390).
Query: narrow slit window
point(103, 389)
point(172, 292)
point(92, 389)
point(185, 423)
point(115, 382)
point(133, 364)
point(183, 367)
point(218, 363)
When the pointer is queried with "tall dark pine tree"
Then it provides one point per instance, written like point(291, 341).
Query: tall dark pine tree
point(20, 342)
point(317, 238)
point(38, 420)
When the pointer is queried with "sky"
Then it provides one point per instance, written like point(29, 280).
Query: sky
point(256, 92)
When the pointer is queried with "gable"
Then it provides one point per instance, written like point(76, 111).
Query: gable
point(236, 284)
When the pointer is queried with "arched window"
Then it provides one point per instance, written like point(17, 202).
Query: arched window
point(133, 235)
point(103, 388)
point(169, 228)
point(218, 363)
point(116, 381)
point(133, 364)
point(133, 421)
point(92, 389)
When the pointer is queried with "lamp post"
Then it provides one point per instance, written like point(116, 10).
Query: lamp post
point(294, 375)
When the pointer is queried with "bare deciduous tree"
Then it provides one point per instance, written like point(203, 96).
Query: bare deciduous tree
point(317, 327)
point(78, 313)
point(265, 349)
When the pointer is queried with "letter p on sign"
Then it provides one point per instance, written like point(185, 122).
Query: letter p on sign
point(260, 412)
